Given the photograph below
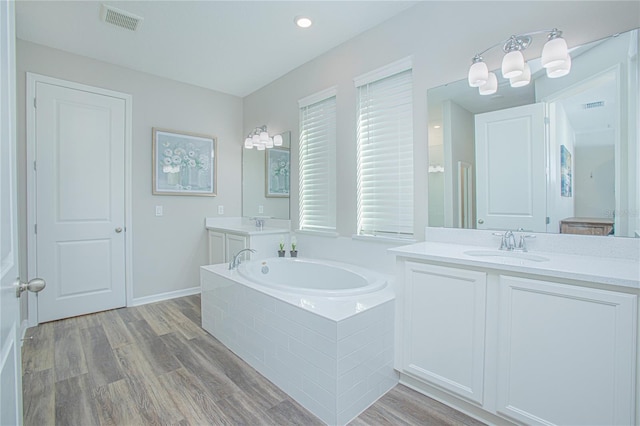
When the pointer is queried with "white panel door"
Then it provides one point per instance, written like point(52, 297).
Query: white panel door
point(80, 145)
point(10, 363)
point(566, 354)
point(511, 169)
point(444, 326)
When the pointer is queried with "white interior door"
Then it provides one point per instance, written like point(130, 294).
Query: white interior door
point(10, 364)
point(511, 169)
point(80, 208)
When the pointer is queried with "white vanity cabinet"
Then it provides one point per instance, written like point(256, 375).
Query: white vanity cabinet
point(444, 327)
point(225, 243)
point(513, 347)
point(566, 353)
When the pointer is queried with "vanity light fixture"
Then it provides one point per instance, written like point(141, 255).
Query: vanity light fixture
point(260, 139)
point(555, 58)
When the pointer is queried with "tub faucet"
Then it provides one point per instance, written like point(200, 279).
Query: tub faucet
point(236, 261)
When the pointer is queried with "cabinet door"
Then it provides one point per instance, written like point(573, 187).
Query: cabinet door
point(566, 354)
point(444, 326)
point(216, 248)
point(235, 243)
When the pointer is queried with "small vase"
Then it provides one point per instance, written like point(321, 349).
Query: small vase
point(281, 253)
point(294, 253)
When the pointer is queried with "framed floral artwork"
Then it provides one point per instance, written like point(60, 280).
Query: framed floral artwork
point(277, 172)
point(183, 163)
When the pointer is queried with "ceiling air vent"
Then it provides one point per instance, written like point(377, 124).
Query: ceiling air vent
point(120, 18)
point(591, 105)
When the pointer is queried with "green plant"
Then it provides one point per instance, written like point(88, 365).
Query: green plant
point(293, 244)
point(281, 245)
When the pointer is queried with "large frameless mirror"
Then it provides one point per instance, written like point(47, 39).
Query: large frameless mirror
point(558, 155)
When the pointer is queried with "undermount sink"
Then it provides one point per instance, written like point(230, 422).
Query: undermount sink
point(507, 254)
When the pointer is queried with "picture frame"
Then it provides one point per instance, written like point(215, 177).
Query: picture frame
point(184, 163)
point(566, 175)
point(277, 163)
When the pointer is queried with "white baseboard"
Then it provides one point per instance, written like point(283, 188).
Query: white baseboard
point(165, 296)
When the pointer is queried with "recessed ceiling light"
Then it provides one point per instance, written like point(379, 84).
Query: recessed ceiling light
point(437, 126)
point(302, 21)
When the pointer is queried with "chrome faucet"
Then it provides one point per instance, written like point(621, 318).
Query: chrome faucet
point(236, 261)
point(508, 241)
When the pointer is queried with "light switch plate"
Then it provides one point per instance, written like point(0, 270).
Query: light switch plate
point(159, 211)
point(220, 209)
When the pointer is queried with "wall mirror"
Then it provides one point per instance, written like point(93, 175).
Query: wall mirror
point(558, 155)
point(265, 189)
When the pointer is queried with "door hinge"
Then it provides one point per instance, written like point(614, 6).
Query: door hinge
point(34, 166)
point(35, 103)
point(548, 220)
point(546, 120)
point(35, 228)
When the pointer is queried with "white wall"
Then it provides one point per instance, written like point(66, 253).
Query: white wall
point(561, 133)
point(442, 37)
point(594, 176)
point(459, 146)
point(167, 250)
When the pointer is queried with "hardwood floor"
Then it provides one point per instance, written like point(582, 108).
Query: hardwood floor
point(153, 364)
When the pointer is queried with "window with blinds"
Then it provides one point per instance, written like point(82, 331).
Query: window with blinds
point(385, 152)
point(318, 162)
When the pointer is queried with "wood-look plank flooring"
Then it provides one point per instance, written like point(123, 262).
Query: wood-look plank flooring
point(154, 364)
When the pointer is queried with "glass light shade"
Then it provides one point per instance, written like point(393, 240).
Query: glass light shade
point(491, 86)
point(260, 147)
point(478, 74)
point(523, 79)
point(255, 139)
point(264, 136)
point(269, 143)
point(277, 140)
point(554, 52)
point(512, 64)
point(560, 70)
point(248, 143)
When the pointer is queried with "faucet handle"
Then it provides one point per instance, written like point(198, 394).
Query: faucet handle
point(522, 245)
point(503, 240)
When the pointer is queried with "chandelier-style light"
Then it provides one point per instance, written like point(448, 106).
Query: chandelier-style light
point(259, 138)
point(555, 58)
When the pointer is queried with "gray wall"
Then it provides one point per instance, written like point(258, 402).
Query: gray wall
point(442, 37)
point(167, 250)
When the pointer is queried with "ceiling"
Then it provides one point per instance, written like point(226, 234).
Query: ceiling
point(235, 47)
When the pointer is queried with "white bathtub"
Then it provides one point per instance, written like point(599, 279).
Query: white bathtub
point(321, 331)
point(312, 277)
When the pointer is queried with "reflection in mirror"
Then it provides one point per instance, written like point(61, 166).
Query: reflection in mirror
point(262, 196)
point(559, 155)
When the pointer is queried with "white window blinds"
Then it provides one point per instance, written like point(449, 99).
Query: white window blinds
point(385, 154)
point(318, 162)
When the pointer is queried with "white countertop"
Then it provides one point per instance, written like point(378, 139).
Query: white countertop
point(248, 230)
point(243, 226)
point(600, 270)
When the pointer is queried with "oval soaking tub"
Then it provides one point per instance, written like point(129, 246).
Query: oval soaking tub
point(322, 331)
point(312, 277)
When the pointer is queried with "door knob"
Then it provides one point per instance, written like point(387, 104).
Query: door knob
point(118, 230)
point(480, 221)
point(34, 286)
